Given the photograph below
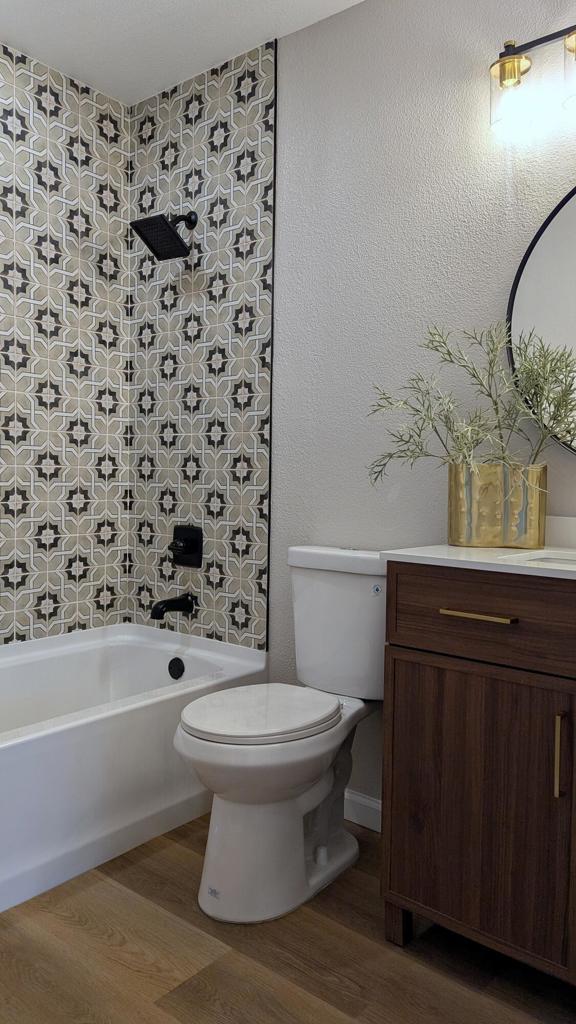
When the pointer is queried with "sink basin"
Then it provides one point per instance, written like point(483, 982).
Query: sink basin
point(563, 559)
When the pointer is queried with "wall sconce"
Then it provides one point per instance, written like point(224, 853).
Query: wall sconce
point(514, 62)
point(570, 67)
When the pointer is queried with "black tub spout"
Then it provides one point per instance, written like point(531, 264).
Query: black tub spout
point(184, 603)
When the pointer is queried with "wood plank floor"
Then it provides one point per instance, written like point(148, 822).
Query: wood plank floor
point(127, 943)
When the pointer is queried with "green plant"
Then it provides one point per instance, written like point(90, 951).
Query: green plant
point(516, 415)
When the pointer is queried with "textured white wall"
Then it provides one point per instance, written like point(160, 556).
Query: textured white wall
point(396, 207)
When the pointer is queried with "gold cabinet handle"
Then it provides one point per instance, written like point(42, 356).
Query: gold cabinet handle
point(502, 620)
point(557, 755)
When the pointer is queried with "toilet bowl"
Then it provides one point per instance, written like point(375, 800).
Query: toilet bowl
point(277, 757)
point(276, 830)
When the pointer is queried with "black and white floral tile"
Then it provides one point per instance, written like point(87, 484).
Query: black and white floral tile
point(134, 394)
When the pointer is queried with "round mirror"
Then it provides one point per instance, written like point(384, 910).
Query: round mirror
point(543, 296)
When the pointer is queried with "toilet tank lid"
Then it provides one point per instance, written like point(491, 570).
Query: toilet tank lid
point(367, 563)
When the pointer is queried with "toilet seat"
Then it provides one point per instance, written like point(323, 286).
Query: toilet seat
point(261, 713)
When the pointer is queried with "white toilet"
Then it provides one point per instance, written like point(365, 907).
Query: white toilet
point(278, 757)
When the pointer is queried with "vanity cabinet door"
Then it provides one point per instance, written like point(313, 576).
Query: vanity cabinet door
point(478, 798)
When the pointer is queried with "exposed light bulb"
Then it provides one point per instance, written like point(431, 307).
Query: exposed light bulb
point(506, 77)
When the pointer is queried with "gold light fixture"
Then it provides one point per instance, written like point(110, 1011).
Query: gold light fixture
point(509, 70)
point(514, 62)
point(570, 67)
point(505, 74)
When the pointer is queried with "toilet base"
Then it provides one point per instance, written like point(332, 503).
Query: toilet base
point(257, 867)
point(264, 860)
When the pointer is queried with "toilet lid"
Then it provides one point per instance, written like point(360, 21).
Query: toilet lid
point(261, 713)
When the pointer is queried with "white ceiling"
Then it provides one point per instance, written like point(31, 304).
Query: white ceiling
point(132, 49)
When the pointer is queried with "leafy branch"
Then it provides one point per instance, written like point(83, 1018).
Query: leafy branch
point(517, 413)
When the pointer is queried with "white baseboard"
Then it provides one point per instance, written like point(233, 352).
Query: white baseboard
point(363, 810)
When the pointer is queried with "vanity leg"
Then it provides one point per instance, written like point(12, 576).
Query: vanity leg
point(397, 924)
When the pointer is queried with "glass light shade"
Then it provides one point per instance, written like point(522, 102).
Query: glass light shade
point(505, 80)
point(570, 69)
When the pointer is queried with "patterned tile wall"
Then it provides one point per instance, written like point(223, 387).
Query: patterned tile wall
point(134, 394)
point(64, 400)
point(202, 330)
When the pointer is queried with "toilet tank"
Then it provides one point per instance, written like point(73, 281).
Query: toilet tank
point(339, 600)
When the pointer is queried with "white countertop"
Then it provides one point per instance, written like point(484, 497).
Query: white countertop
point(549, 561)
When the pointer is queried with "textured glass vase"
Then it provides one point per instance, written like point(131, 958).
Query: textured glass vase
point(497, 506)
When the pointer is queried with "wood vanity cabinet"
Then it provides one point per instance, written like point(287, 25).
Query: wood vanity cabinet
point(479, 826)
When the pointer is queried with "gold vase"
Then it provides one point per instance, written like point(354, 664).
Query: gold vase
point(496, 506)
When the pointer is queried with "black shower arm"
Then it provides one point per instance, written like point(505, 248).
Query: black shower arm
point(189, 219)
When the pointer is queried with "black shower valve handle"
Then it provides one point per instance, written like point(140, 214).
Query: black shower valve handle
point(182, 555)
point(177, 546)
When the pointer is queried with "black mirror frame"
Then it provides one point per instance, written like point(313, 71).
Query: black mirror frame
point(517, 278)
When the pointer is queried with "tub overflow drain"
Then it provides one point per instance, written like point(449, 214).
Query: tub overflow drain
point(176, 668)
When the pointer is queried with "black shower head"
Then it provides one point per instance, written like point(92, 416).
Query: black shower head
point(161, 237)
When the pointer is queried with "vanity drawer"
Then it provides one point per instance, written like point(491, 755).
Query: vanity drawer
point(525, 621)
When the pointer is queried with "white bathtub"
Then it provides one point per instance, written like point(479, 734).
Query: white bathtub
point(87, 766)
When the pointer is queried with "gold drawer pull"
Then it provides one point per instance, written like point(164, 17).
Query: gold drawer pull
point(502, 620)
point(557, 755)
